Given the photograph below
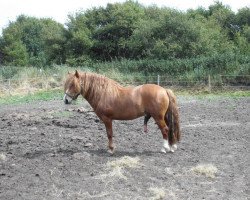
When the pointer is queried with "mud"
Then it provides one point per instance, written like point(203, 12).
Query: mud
point(50, 151)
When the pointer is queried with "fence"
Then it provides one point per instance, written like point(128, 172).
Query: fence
point(19, 86)
point(208, 82)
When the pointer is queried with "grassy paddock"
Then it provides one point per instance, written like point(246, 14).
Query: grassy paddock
point(27, 98)
point(58, 95)
point(213, 94)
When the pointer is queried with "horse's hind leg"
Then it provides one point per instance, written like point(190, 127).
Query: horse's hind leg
point(164, 130)
point(166, 147)
point(146, 118)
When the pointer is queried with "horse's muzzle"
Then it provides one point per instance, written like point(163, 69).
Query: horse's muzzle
point(67, 99)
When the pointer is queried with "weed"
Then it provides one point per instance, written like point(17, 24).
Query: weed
point(158, 193)
point(207, 170)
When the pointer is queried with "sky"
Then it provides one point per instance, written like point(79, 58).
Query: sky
point(59, 9)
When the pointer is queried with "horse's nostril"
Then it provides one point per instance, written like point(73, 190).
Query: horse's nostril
point(66, 101)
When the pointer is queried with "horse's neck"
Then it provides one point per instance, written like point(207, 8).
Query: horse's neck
point(96, 89)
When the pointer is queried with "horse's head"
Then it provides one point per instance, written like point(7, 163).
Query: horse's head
point(72, 87)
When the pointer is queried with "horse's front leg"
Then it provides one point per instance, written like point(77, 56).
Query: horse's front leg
point(109, 130)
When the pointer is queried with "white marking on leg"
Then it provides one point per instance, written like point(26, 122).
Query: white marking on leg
point(174, 147)
point(166, 145)
point(163, 150)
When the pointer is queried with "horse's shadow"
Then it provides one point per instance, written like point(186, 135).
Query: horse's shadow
point(98, 152)
point(104, 153)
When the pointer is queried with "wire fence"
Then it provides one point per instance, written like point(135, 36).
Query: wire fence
point(29, 85)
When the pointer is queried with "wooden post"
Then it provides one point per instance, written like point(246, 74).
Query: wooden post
point(9, 86)
point(209, 83)
point(158, 80)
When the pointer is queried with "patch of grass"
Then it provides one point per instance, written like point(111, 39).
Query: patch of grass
point(125, 162)
point(237, 94)
point(2, 157)
point(207, 170)
point(116, 167)
point(27, 98)
point(214, 94)
point(158, 193)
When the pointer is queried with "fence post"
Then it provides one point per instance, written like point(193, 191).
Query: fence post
point(158, 80)
point(9, 87)
point(221, 82)
point(209, 83)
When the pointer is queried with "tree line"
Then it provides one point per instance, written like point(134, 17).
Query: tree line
point(127, 31)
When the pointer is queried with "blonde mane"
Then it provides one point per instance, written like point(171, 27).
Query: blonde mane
point(98, 87)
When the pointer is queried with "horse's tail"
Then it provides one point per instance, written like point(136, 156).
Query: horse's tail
point(172, 119)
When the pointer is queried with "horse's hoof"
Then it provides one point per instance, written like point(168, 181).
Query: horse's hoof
point(111, 152)
point(163, 150)
point(174, 147)
point(167, 148)
point(172, 150)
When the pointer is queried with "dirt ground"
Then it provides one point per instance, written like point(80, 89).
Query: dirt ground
point(50, 151)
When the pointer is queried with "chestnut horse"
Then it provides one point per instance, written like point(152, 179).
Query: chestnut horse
point(111, 101)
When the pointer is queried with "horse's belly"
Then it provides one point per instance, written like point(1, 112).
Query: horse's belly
point(128, 113)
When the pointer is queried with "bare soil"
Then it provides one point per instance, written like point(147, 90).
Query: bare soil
point(50, 151)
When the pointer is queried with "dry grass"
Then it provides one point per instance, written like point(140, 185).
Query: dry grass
point(158, 193)
point(125, 162)
point(207, 170)
point(2, 157)
point(22, 86)
point(117, 167)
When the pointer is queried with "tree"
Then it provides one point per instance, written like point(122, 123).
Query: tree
point(13, 49)
point(53, 34)
point(40, 41)
point(115, 26)
point(243, 17)
point(79, 40)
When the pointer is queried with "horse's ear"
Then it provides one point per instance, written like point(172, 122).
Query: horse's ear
point(77, 74)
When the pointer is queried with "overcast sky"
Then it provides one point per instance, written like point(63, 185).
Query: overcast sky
point(59, 9)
